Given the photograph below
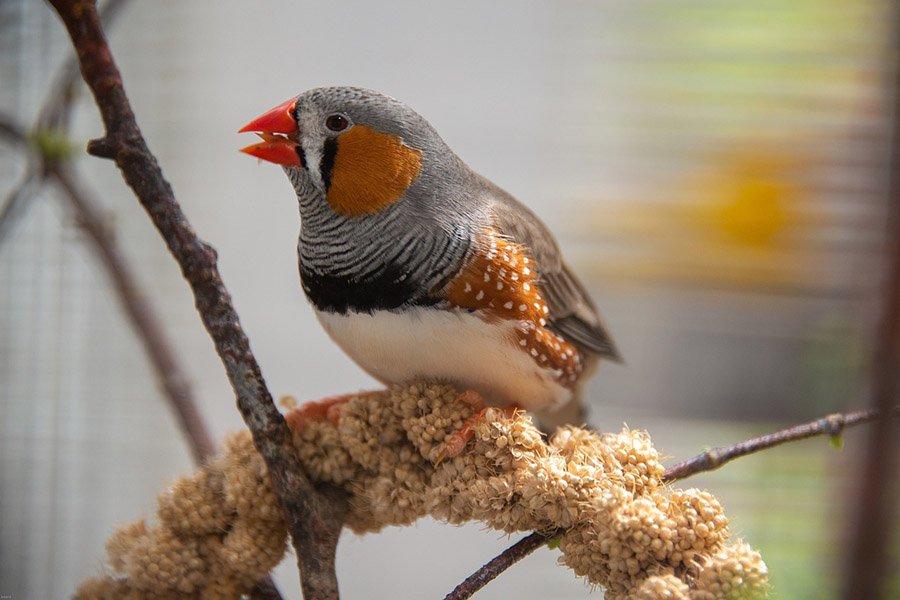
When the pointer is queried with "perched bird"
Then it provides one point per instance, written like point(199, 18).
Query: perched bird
point(420, 268)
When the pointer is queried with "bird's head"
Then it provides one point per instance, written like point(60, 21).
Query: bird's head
point(359, 149)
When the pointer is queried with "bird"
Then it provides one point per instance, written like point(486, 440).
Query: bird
point(419, 268)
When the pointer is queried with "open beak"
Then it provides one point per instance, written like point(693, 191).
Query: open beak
point(279, 134)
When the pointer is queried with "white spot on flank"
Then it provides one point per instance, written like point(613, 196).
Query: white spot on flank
point(525, 260)
point(502, 272)
point(514, 276)
point(526, 271)
point(534, 352)
point(542, 322)
point(487, 277)
point(523, 342)
point(468, 287)
point(499, 285)
point(523, 307)
point(526, 287)
point(479, 295)
point(508, 305)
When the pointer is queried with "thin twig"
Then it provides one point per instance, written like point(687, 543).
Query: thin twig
point(16, 201)
point(500, 563)
point(21, 195)
point(831, 425)
point(710, 460)
point(53, 116)
point(139, 311)
point(314, 518)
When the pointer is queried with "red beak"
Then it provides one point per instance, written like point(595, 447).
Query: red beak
point(278, 130)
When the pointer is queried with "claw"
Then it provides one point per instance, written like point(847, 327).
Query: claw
point(317, 411)
point(456, 443)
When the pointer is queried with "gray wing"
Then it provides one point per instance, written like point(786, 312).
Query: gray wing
point(572, 314)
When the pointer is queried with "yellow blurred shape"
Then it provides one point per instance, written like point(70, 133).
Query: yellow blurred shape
point(753, 211)
point(745, 222)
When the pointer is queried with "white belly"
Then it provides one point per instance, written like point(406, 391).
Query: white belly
point(448, 345)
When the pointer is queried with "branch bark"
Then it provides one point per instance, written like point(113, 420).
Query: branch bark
point(867, 566)
point(314, 518)
point(710, 460)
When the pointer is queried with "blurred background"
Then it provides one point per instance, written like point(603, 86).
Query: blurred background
point(716, 172)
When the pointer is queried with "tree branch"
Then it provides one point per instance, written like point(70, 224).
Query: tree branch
point(831, 425)
point(314, 519)
point(867, 567)
point(710, 460)
point(500, 563)
point(142, 316)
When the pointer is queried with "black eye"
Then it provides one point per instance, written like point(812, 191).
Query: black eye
point(336, 122)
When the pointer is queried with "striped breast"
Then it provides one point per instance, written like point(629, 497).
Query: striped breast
point(502, 283)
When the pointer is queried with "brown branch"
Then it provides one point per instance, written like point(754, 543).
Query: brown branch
point(831, 425)
point(710, 460)
point(500, 563)
point(141, 314)
point(866, 573)
point(314, 519)
point(54, 115)
point(57, 110)
point(16, 201)
point(22, 194)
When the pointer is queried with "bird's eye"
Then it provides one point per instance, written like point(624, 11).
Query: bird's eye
point(336, 122)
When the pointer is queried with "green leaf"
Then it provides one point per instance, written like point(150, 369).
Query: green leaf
point(837, 442)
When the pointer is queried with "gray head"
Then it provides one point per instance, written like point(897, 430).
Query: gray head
point(370, 171)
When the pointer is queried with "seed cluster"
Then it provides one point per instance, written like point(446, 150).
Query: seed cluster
point(220, 530)
point(503, 283)
point(218, 533)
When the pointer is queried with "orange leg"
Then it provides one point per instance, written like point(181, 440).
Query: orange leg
point(320, 410)
point(457, 442)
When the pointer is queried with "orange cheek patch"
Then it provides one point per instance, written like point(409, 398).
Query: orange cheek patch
point(502, 283)
point(371, 170)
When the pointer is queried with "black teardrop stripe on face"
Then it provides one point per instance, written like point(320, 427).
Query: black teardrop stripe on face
point(299, 150)
point(326, 165)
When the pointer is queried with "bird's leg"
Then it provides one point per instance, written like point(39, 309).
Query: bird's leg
point(316, 411)
point(457, 442)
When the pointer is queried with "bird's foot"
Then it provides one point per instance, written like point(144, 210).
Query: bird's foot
point(457, 442)
point(317, 411)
